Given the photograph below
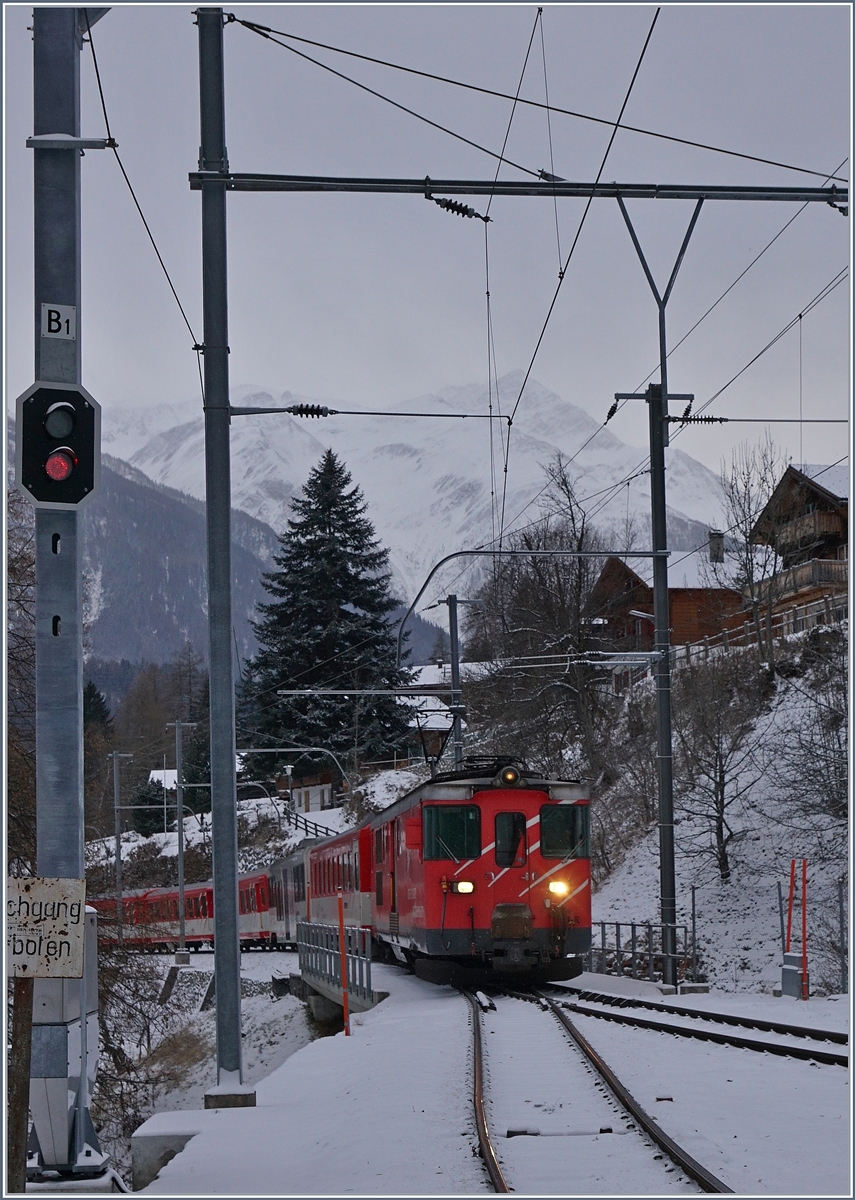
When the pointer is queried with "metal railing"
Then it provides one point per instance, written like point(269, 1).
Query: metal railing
point(319, 953)
point(312, 828)
point(636, 950)
point(816, 572)
point(828, 611)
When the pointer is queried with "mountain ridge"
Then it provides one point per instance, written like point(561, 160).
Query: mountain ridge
point(430, 485)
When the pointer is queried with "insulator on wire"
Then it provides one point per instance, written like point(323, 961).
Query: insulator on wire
point(611, 412)
point(454, 206)
point(310, 410)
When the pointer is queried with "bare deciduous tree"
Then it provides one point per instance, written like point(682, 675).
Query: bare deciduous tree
point(721, 716)
point(532, 609)
point(749, 481)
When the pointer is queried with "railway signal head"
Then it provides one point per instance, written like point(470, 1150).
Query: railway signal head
point(58, 445)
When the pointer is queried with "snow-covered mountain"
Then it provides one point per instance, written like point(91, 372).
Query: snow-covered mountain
point(428, 482)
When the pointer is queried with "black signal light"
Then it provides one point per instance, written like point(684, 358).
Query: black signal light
point(60, 419)
point(58, 450)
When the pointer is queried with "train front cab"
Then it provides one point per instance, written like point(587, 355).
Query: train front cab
point(488, 876)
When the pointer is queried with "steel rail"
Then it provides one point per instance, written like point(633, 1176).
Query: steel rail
point(829, 1057)
point(802, 1031)
point(256, 182)
point(488, 1152)
point(681, 1157)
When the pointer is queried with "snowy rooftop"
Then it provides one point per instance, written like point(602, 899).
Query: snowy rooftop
point(685, 570)
point(834, 479)
point(166, 779)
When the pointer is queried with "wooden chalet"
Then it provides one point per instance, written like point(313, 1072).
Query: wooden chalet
point(806, 522)
point(699, 607)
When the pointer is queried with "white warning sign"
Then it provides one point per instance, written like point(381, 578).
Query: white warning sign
point(45, 924)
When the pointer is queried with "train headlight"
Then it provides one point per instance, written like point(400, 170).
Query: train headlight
point(509, 776)
point(558, 888)
point(463, 886)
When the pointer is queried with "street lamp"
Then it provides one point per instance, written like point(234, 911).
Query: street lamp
point(257, 783)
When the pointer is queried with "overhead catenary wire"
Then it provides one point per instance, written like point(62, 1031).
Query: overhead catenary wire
point(642, 467)
point(817, 299)
point(731, 286)
point(261, 30)
point(492, 372)
point(267, 31)
point(514, 105)
point(563, 273)
point(549, 137)
point(618, 405)
point(113, 145)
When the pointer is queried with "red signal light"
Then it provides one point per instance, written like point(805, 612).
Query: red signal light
point(59, 465)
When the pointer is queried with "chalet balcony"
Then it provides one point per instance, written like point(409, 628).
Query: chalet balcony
point(810, 527)
point(829, 573)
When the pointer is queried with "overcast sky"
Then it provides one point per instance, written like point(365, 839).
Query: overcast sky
point(374, 299)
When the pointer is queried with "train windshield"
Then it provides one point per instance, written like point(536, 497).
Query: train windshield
point(452, 831)
point(564, 831)
point(510, 839)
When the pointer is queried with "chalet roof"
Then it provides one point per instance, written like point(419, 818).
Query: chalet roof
point(690, 569)
point(795, 488)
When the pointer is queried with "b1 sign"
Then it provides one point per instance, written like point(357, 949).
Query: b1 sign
point(45, 925)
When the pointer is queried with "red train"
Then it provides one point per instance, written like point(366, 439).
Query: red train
point(488, 868)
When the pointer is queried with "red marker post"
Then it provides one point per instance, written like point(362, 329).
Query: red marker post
point(343, 947)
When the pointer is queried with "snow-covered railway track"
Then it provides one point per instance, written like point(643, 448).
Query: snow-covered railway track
point(538, 1085)
point(787, 1040)
point(743, 1022)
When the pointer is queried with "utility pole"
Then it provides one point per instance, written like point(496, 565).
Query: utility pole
point(182, 958)
point(456, 722)
point(657, 397)
point(657, 408)
point(213, 161)
point(117, 812)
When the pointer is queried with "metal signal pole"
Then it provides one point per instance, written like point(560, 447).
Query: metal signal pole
point(64, 1131)
point(213, 160)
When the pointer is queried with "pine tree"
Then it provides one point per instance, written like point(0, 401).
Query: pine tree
point(97, 772)
point(326, 626)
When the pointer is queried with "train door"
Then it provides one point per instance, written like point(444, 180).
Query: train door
point(392, 835)
point(285, 903)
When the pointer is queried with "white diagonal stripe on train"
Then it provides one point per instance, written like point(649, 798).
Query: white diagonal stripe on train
point(470, 861)
point(546, 874)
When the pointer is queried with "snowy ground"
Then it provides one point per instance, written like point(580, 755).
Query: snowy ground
point(388, 1111)
point(738, 923)
point(763, 1124)
point(273, 1028)
point(384, 1112)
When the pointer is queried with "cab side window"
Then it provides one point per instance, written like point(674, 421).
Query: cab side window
point(451, 831)
point(564, 831)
